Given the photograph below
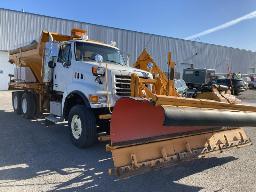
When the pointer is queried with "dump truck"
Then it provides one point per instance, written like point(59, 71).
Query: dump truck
point(72, 78)
point(87, 83)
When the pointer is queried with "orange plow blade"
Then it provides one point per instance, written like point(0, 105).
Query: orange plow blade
point(137, 121)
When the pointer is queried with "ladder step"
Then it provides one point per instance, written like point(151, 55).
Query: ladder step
point(54, 119)
point(105, 116)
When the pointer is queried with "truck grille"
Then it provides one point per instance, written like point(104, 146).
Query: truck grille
point(123, 85)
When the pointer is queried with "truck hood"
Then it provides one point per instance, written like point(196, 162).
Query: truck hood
point(123, 69)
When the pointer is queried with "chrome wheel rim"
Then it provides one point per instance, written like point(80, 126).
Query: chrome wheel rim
point(15, 102)
point(76, 126)
point(24, 105)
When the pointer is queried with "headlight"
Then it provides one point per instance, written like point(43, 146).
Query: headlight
point(102, 99)
point(96, 99)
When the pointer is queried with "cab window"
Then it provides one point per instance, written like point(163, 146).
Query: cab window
point(65, 53)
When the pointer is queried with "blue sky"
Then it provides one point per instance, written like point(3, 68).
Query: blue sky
point(174, 18)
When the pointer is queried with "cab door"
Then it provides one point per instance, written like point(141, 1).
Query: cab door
point(63, 71)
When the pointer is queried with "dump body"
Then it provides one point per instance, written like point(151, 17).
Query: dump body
point(32, 55)
point(29, 56)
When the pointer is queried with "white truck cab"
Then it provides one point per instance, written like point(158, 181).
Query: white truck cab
point(88, 78)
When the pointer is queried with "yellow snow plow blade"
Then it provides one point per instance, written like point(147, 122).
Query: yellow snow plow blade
point(132, 159)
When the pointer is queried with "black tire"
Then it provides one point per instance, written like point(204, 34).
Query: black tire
point(28, 105)
point(236, 93)
point(16, 101)
point(88, 135)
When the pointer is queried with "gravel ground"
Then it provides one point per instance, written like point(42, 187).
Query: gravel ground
point(249, 95)
point(34, 157)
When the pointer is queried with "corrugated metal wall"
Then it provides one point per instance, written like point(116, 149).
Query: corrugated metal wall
point(17, 28)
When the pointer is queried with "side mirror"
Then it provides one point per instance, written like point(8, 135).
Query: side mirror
point(51, 64)
point(52, 49)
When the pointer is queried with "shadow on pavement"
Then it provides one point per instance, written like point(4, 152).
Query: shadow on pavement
point(36, 155)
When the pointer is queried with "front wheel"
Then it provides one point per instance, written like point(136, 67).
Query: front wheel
point(82, 124)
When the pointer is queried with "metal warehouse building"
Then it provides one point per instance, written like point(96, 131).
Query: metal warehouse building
point(19, 28)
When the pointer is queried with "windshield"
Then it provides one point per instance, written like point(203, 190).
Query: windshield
point(180, 84)
point(88, 51)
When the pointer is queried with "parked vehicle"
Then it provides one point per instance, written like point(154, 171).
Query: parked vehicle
point(237, 85)
point(252, 85)
point(246, 80)
point(195, 78)
point(180, 86)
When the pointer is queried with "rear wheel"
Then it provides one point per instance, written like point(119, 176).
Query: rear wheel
point(28, 105)
point(16, 101)
point(82, 124)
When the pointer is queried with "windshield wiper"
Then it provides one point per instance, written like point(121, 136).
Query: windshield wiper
point(112, 61)
point(89, 58)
